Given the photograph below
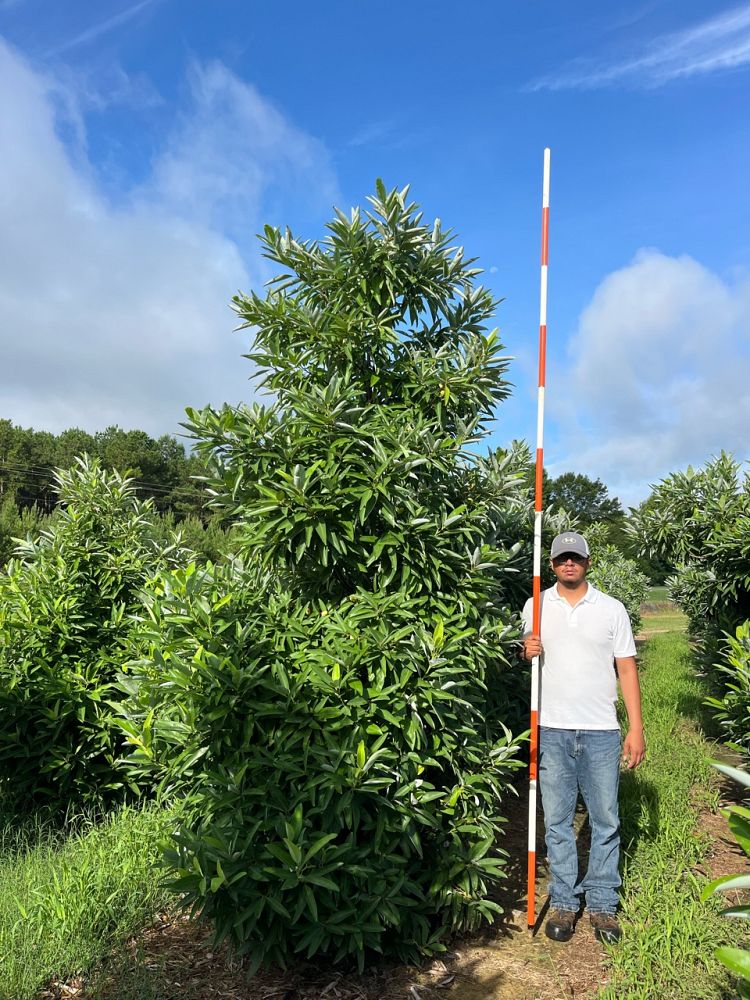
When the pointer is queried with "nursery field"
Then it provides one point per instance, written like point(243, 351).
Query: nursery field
point(86, 917)
point(315, 742)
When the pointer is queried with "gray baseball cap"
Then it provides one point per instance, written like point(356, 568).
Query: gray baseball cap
point(569, 541)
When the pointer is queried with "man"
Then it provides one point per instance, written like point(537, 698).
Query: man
point(584, 634)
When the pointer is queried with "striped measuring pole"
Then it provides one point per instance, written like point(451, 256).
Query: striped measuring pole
point(537, 588)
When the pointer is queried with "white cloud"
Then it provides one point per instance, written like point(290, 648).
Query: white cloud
point(119, 313)
point(719, 43)
point(232, 151)
point(658, 376)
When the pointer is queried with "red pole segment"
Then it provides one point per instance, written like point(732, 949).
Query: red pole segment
point(537, 587)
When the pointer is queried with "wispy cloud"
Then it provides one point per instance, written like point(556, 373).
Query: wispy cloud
point(719, 43)
point(233, 151)
point(101, 28)
point(389, 133)
point(374, 133)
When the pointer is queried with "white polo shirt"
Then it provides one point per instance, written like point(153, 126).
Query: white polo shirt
point(578, 686)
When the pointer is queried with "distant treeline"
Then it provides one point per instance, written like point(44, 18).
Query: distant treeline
point(162, 468)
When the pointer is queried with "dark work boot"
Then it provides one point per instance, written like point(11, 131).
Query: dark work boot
point(560, 925)
point(606, 927)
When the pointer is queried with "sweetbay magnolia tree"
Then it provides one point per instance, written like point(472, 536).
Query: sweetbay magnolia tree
point(328, 708)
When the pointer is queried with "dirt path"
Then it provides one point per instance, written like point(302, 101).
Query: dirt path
point(510, 962)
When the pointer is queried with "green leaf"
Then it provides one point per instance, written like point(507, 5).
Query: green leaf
point(278, 907)
point(740, 827)
point(366, 496)
point(311, 903)
point(741, 777)
point(737, 960)
point(725, 883)
point(438, 634)
point(318, 845)
point(321, 880)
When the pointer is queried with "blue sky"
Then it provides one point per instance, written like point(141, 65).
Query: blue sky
point(145, 143)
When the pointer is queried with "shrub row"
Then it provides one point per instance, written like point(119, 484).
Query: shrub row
point(699, 522)
point(615, 574)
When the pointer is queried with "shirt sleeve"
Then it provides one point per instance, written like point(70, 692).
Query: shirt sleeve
point(624, 643)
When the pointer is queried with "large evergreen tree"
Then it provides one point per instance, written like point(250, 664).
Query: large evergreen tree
point(344, 692)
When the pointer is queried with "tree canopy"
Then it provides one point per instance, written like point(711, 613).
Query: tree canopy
point(587, 499)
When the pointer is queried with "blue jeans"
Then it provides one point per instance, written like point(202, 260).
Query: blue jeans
point(585, 760)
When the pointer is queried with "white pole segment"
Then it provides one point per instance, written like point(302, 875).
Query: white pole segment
point(540, 418)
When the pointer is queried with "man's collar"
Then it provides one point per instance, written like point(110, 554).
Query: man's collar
point(591, 594)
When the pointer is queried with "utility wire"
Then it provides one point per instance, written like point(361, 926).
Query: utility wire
point(28, 470)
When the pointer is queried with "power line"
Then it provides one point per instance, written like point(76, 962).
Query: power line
point(48, 470)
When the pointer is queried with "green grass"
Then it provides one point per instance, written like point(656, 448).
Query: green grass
point(659, 614)
point(67, 901)
point(669, 618)
point(657, 595)
point(669, 938)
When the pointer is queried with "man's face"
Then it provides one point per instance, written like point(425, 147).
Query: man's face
point(570, 568)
